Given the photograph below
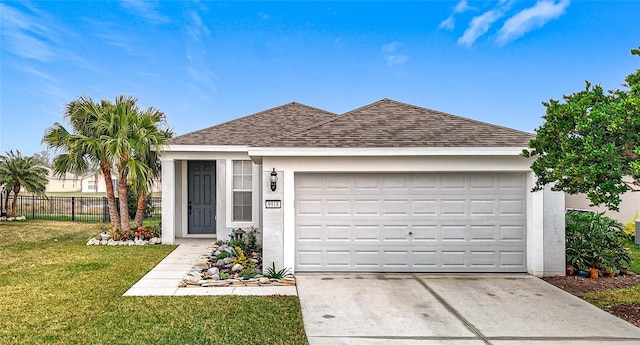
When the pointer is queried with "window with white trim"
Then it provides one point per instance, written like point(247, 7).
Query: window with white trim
point(242, 191)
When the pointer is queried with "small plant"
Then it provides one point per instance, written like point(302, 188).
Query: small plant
point(630, 227)
point(273, 274)
point(239, 242)
point(243, 260)
point(224, 276)
point(222, 255)
point(252, 240)
point(248, 274)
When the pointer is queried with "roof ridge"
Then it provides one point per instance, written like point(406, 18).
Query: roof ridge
point(338, 116)
point(254, 114)
point(438, 112)
point(370, 105)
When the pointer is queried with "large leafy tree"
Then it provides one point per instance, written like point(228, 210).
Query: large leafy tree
point(17, 172)
point(590, 143)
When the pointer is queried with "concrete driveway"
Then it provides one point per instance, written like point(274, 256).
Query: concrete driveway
point(450, 309)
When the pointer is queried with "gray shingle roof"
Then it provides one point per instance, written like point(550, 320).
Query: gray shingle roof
point(388, 123)
point(258, 129)
point(385, 123)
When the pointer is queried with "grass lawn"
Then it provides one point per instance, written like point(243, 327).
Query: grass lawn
point(611, 298)
point(56, 290)
point(635, 254)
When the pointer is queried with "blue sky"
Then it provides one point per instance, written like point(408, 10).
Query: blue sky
point(203, 63)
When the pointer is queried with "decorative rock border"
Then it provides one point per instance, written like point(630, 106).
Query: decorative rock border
point(96, 242)
point(205, 274)
point(11, 219)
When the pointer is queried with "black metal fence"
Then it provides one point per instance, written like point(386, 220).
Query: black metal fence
point(75, 208)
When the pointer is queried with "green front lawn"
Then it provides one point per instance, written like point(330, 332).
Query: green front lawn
point(635, 254)
point(56, 290)
point(611, 298)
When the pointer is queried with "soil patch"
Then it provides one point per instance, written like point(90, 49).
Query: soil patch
point(577, 286)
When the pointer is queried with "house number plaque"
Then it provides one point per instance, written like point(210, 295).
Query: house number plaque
point(273, 204)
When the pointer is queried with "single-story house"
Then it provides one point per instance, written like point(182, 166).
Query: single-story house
point(388, 187)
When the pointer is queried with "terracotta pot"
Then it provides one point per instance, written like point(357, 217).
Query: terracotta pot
point(593, 273)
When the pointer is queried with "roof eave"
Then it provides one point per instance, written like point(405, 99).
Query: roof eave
point(383, 151)
point(203, 148)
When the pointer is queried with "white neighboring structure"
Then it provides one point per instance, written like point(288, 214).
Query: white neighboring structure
point(629, 207)
point(67, 183)
point(389, 187)
point(89, 183)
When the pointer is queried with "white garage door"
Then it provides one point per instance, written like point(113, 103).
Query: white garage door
point(410, 222)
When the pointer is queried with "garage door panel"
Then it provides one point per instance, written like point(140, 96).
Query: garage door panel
point(337, 207)
point(410, 222)
point(453, 207)
point(512, 233)
point(511, 207)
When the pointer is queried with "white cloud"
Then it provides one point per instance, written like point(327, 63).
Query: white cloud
point(145, 9)
point(531, 18)
point(450, 22)
point(479, 26)
point(26, 35)
point(197, 26)
point(462, 6)
point(392, 55)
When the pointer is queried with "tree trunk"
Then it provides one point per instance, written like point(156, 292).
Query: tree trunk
point(14, 204)
point(142, 203)
point(6, 204)
point(111, 197)
point(122, 195)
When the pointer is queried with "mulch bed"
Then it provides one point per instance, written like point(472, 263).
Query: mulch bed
point(579, 285)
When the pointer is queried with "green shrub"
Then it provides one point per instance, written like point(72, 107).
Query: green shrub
point(248, 274)
point(252, 241)
point(594, 240)
point(238, 242)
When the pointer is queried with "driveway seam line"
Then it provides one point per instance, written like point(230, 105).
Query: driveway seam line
point(452, 310)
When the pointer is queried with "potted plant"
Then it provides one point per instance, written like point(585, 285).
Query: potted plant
point(105, 232)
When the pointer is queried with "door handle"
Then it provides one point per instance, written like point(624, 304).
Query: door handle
point(190, 206)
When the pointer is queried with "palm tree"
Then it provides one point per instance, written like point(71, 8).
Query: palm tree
point(18, 171)
point(84, 147)
point(114, 135)
point(145, 166)
point(132, 135)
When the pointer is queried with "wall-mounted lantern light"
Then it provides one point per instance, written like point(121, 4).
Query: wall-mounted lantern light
point(274, 180)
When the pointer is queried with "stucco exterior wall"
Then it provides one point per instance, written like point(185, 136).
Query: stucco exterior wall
point(554, 233)
point(628, 208)
point(63, 185)
point(539, 219)
point(175, 193)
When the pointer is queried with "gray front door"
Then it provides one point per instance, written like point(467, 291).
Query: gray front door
point(202, 197)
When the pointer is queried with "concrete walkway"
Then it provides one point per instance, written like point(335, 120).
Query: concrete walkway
point(164, 278)
point(451, 309)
